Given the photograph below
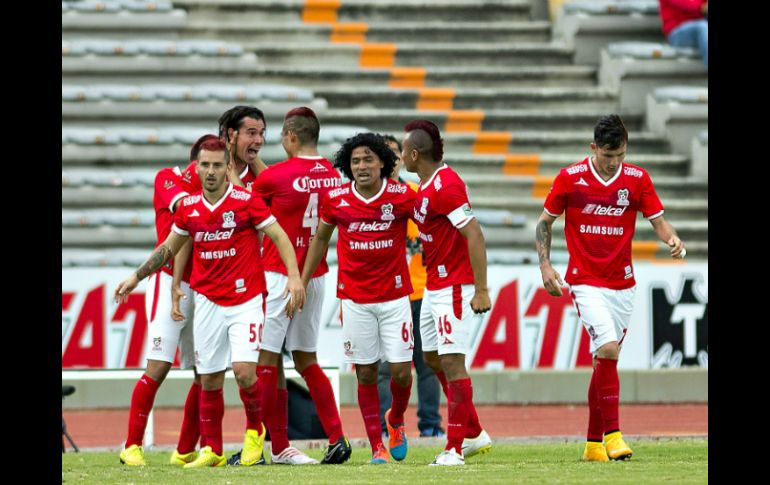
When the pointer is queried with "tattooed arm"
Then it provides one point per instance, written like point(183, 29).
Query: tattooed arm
point(551, 278)
point(158, 258)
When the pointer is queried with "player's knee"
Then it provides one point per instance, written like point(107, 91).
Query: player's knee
point(245, 376)
point(610, 350)
point(366, 374)
point(431, 359)
point(401, 374)
point(303, 360)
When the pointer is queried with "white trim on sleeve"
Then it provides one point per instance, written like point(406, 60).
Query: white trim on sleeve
point(175, 199)
point(461, 216)
point(181, 232)
point(266, 222)
point(549, 213)
point(655, 216)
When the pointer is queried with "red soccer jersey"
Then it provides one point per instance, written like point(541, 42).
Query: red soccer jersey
point(440, 209)
point(190, 176)
point(292, 190)
point(227, 268)
point(600, 221)
point(371, 248)
point(169, 188)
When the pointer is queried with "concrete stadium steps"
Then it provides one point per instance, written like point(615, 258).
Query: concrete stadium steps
point(216, 11)
point(123, 24)
point(550, 142)
point(332, 76)
point(244, 31)
point(550, 163)
point(591, 98)
point(413, 54)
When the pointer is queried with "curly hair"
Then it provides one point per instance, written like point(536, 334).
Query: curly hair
point(376, 143)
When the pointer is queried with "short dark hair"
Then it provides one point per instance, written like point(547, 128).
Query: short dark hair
point(610, 132)
point(233, 118)
point(304, 123)
point(393, 139)
point(428, 138)
point(196, 148)
point(376, 143)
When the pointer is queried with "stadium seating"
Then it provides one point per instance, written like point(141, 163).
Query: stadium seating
point(679, 113)
point(700, 155)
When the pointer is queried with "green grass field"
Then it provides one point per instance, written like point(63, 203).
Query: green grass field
point(675, 461)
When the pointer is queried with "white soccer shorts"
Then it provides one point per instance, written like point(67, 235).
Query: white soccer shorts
point(163, 333)
point(605, 313)
point(226, 334)
point(446, 318)
point(301, 332)
point(375, 330)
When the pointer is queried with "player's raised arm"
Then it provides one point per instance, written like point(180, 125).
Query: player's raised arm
point(316, 251)
point(294, 287)
point(543, 233)
point(158, 258)
point(477, 253)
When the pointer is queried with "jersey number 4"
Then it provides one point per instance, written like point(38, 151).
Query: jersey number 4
point(310, 218)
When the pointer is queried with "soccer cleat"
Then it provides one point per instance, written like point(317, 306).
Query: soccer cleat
point(617, 449)
point(253, 444)
point(337, 453)
point(132, 456)
point(235, 459)
point(380, 455)
point(207, 458)
point(594, 452)
point(448, 458)
point(479, 445)
point(291, 456)
point(183, 459)
point(396, 439)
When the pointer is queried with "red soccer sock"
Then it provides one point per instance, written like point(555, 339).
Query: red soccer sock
point(369, 403)
point(279, 426)
point(473, 428)
point(323, 396)
point(595, 423)
point(251, 404)
point(141, 404)
point(400, 401)
point(191, 421)
point(212, 409)
point(267, 379)
point(608, 390)
point(460, 401)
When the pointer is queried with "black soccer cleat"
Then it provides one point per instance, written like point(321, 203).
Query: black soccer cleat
point(337, 453)
point(235, 460)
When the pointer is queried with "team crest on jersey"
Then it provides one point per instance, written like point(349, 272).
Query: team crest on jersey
point(229, 219)
point(623, 197)
point(156, 343)
point(387, 212)
point(437, 183)
point(424, 206)
point(348, 346)
point(168, 184)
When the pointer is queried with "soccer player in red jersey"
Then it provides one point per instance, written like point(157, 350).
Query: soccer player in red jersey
point(373, 281)
point(292, 190)
point(168, 328)
point(600, 196)
point(228, 283)
point(456, 288)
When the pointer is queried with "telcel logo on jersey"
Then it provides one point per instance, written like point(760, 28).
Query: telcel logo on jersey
point(213, 236)
point(369, 226)
point(603, 210)
point(306, 184)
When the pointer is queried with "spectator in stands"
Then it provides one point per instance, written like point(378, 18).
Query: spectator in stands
point(428, 387)
point(685, 24)
point(600, 196)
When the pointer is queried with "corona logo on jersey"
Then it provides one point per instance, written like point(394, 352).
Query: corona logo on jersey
point(306, 184)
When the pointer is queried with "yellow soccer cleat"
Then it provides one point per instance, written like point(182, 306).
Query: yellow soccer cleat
point(132, 456)
point(183, 459)
point(207, 457)
point(617, 449)
point(594, 452)
point(479, 445)
point(253, 444)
